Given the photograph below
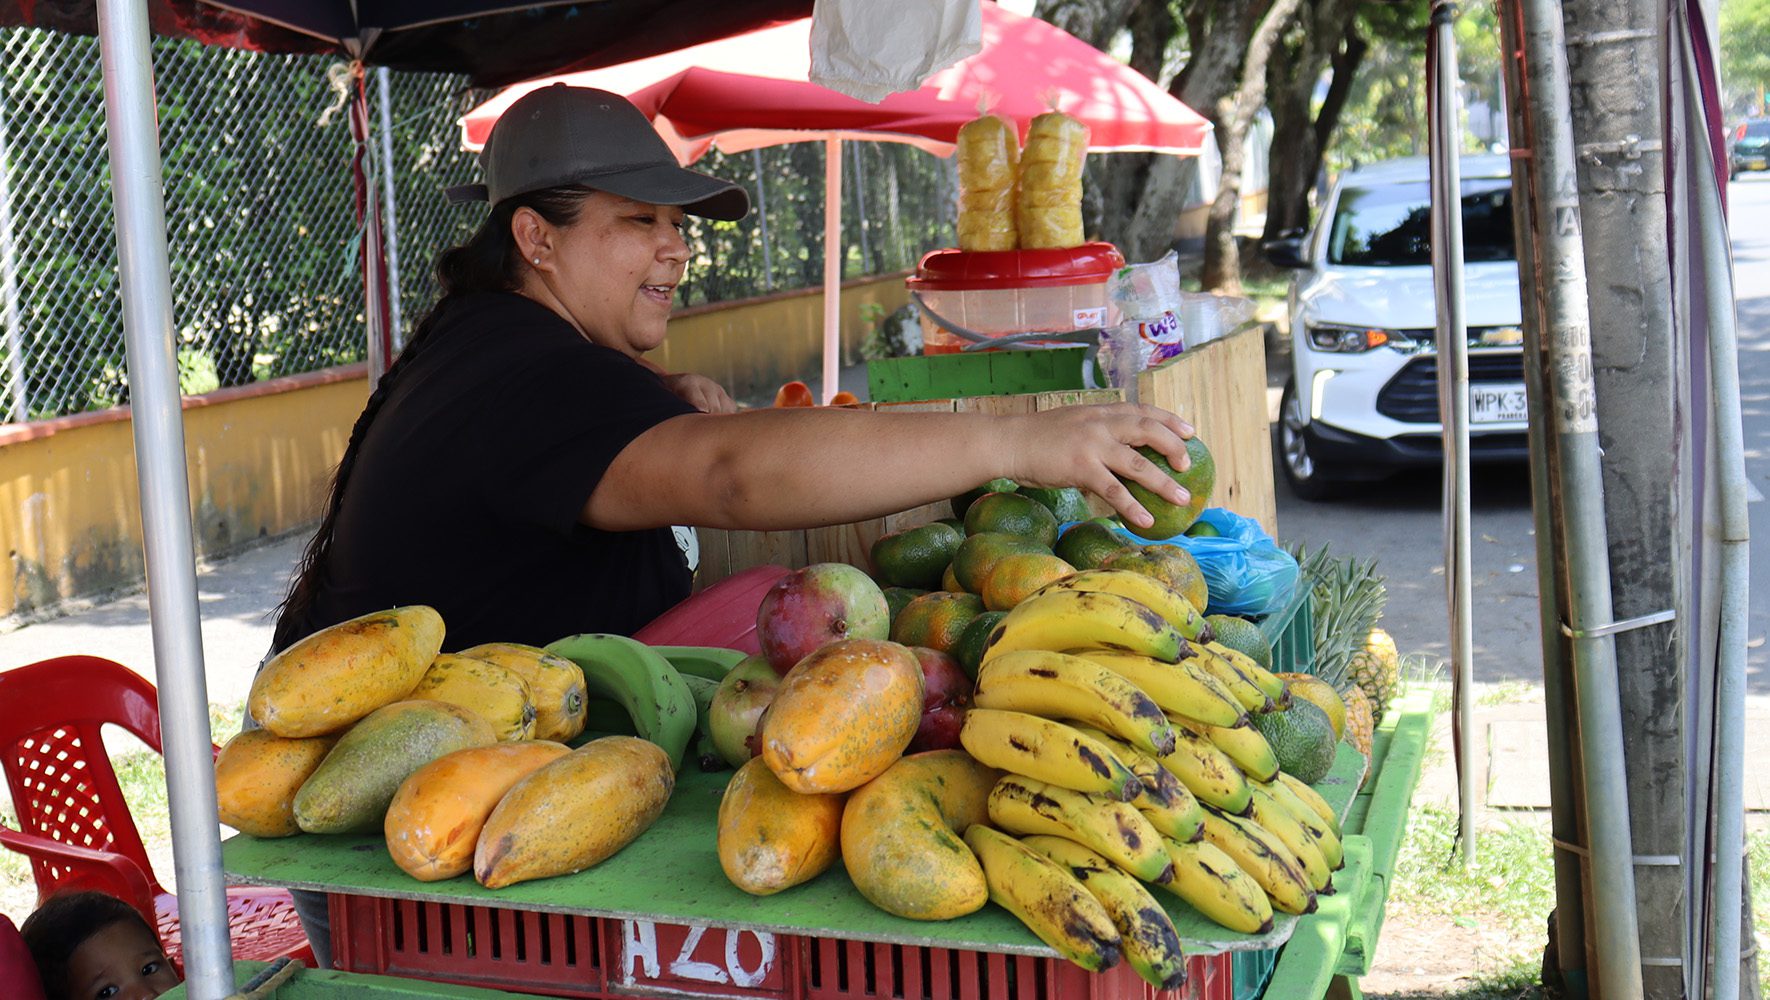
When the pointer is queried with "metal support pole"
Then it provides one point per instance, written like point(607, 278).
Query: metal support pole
point(1453, 395)
point(158, 422)
point(832, 265)
point(1564, 825)
point(18, 397)
point(1613, 926)
point(398, 330)
point(762, 220)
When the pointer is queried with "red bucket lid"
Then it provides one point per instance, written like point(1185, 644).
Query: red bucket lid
point(959, 270)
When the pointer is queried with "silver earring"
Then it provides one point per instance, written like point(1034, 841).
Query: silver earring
point(537, 262)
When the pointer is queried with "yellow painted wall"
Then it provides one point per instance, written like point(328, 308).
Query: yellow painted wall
point(260, 457)
point(754, 345)
point(259, 460)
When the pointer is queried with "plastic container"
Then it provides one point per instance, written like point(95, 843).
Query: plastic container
point(1007, 292)
point(605, 959)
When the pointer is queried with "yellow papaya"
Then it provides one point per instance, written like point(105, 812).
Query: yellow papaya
point(555, 683)
point(327, 681)
point(575, 812)
point(843, 715)
point(257, 775)
point(901, 835)
point(773, 838)
point(350, 790)
point(433, 823)
point(497, 694)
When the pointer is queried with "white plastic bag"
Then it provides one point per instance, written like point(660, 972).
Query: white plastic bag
point(870, 49)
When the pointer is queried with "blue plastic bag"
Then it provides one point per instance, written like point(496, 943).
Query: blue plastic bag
point(1246, 571)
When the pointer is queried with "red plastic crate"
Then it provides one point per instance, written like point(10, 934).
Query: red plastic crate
point(568, 956)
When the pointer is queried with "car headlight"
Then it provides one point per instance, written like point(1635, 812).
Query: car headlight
point(1356, 339)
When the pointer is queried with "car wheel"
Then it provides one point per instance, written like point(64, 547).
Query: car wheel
point(1301, 470)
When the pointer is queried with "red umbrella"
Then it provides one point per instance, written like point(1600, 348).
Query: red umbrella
point(753, 90)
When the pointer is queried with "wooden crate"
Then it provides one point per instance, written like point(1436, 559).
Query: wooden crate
point(1220, 388)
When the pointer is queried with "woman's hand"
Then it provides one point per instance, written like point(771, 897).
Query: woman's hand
point(1091, 446)
point(701, 392)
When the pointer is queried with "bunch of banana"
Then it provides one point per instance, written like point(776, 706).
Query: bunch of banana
point(1115, 829)
point(1080, 619)
point(1146, 590)
point(1256, 851)
point(1217, 887)
point(1269, 683)
point(1185, 688)
point(1147, 936)
point(1243, 744)
point(1164, 801)
point(1048, 751)
point(1045, 897)
point(641, 681)
point(1055, 685)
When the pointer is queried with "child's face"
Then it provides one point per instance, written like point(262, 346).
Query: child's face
point(121, 962)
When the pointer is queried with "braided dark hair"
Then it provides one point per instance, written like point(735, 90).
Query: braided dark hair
point(488, 262)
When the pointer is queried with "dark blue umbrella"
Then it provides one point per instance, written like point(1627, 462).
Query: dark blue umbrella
point(492, 43)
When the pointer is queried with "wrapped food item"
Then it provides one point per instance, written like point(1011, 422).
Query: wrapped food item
point(988, 152)
point(1049, 205)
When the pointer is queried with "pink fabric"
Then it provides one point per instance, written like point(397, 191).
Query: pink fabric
point(754, 90)
point(18, 974)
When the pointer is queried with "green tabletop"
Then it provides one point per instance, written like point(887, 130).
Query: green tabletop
point(671, 874)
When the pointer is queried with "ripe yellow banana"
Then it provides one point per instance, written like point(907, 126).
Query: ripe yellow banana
point(1165, 802)
point(1045, 897)
point(1049, 751)
point(1319, 831)
point(1206, 771)
point(1263, 856)
point(1183, 688)
point(1153, 594)
point(1217, 887)
point(1311, 798)
point(1243, 744)
point(1116, 829)
point(1272, 816)
point(1267, 681)
point(1147, 936)
point(1057, 686)
point(1250, 695)
point(1076, 619)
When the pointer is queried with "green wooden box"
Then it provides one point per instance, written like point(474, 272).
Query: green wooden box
point(982, 373)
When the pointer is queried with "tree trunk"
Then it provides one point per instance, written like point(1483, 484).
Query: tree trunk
point(1299, 143)
point(1235, 113)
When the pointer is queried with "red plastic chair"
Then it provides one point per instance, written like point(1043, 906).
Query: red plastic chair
point(74, 824)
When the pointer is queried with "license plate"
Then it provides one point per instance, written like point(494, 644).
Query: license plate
point(1500, 403)
point(1757, 164)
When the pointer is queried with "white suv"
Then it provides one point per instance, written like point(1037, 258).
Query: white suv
point(1362, 400)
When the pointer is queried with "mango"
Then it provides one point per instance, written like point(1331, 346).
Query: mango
point(257, 775)
point(498, 694)
point(327, 681)
point(350, 791)
point(556, 685)
point(433, 823)
point(843, 715)
point(575, 812)
point(773, 838)
point(901, 835)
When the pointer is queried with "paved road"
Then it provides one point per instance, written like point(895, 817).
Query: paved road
point(1399, 522)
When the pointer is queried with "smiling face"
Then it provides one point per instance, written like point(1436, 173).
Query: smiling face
point(120, 962)
point(612, 272)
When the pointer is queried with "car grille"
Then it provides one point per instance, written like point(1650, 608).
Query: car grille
point(1412, 395)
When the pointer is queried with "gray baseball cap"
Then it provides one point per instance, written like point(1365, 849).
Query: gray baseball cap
point(560, 135)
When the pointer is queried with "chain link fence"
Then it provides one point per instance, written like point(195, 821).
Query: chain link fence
point(262, 227)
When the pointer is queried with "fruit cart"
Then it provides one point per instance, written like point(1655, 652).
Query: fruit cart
point(660, 916)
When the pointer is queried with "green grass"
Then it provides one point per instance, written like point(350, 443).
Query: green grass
point(1511, 885)
point(1757, 859)
point(1508, 692)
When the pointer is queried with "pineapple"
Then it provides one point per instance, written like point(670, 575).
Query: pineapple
point(1375, 668)
point(1360, 725)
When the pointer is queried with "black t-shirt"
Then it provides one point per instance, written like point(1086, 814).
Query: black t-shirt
point(466, 492)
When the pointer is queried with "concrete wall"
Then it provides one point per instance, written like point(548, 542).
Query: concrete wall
point(260, 457)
